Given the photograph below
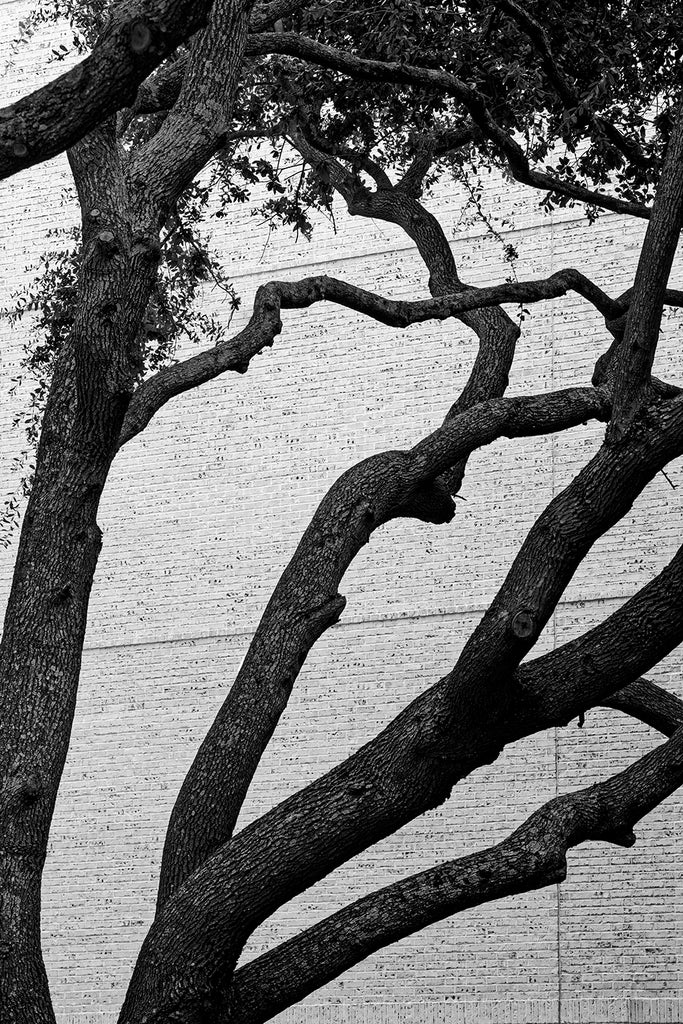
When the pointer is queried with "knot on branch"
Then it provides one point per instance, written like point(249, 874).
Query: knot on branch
point(326, 614)
point(107, 242)
point(146, 248)
point(63, 594)
point(267, 302)
point(522, 624)
point(140, 37)
point(77, 76)
point(24, 788)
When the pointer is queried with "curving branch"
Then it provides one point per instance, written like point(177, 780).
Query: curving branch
point(265, 324)
point(534, 856)
point(644, 700)
point(306, 602)
point(496, 331)
point(139, 35)
point(294, 45)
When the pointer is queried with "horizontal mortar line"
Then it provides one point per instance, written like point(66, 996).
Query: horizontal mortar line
point(408, 247)
point(326, 261)
point(419, 616)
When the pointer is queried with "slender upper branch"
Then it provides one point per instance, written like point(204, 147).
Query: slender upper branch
point(563, 86)
point(534, 856)
point(635, 355)
point(294, 45)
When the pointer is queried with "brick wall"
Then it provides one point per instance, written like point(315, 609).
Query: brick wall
point(201, 514)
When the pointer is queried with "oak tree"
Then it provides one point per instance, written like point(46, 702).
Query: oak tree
point(379, 102)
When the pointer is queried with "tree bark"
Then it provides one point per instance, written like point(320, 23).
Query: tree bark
point(40, 653)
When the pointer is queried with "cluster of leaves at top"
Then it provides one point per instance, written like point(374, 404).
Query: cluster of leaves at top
point(622, 58)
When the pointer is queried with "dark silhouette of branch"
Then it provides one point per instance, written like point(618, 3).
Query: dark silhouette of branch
point(534, 856)
point(648, 702)
point(634, 356)
point(462, 722)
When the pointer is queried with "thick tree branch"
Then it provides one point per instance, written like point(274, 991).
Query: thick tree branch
point(541, 697)
point(265, 324)
point(137, 38)
point(294, 45)
point(604, 663)
point(214, 823)
point(534, 856)
point(306, 602)
point(45, 620)
point(635, 355)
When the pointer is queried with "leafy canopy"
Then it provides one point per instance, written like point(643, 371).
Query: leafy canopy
point(565, 81)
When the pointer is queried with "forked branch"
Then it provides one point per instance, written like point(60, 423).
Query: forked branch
point(137, 38)
point(306, 602)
